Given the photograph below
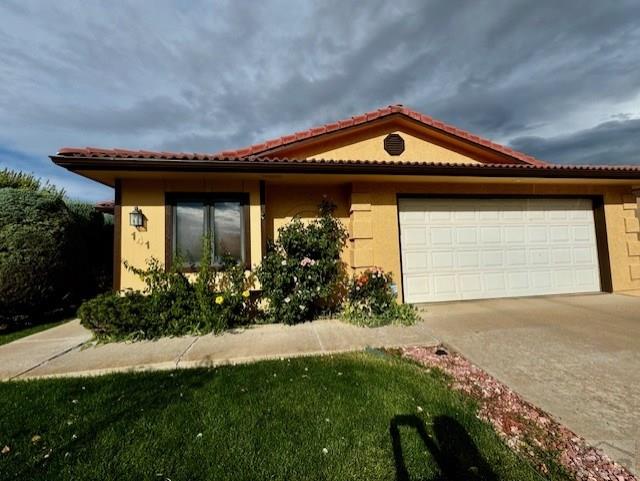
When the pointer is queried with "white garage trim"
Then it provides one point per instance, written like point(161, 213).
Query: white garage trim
point(476, 248)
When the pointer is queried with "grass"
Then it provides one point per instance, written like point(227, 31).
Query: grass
point(7, 337)
point(359, 416)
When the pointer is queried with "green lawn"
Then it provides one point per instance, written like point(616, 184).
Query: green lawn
point(7, 337)
point(361, 416)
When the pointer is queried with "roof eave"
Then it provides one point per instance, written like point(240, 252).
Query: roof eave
point(339, 167)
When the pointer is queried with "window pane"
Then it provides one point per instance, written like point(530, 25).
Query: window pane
point(227, 230)
point(189, 231)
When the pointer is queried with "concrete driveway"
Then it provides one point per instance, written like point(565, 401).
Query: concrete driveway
point(577, 357)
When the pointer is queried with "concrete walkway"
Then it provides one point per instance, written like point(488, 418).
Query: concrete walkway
point(67, 350)
point(577, 357)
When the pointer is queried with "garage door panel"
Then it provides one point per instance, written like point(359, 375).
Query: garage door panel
point(537, 234)
point(583, 255)
point(415, 261)
point(535, 215)
point(480, 248)
point(559, 233)
point(471, 283)
point(439, 216)
point(467, 235)
point(494, 282)
point(442, 259)
point(488, 215)
point(514, 234)
point(542, 280)
point(468, 259)
point(516, 258)
point(445, 285)
point(539, 257)
point(561, 255)
point(585, 277)
point(441, 236)
point(415, 236)
point(563, 278)
point(492, 258)
point(513, 213)
point(417, 286)
point(490, 234)
point(582, 233)
point(518, 280)
point(464, 215)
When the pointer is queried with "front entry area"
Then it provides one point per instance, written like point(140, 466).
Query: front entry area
point(478, 248)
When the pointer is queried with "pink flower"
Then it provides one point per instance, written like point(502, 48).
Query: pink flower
point(307, 262)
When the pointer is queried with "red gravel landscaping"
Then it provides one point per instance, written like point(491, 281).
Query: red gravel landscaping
point(528, 430)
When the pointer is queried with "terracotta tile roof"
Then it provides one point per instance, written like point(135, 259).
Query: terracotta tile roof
point(107, 206)
point(268, 145)
point(72, 157)
point(98, 152)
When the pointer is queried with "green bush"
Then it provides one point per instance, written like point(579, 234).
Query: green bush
point(35, 246)
point(371, 301)
point(23, 181)
point(302, 274)
point(92, 240)
point(111, 313)
point(171, 305)
point(223, 294)
point(53, 254)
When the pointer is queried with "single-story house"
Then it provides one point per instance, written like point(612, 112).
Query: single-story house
point(450, 214)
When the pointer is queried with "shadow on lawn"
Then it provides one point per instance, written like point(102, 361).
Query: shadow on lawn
point(454, 451)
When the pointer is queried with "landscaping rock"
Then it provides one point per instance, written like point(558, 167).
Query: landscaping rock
point(524, 427)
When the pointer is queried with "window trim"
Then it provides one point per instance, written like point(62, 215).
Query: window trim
point(208, 198)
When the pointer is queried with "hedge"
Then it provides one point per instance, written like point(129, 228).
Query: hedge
point(52, 255)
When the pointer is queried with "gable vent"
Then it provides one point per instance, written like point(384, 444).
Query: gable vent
point(394, 144)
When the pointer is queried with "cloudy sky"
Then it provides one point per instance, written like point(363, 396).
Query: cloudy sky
point(559, 80)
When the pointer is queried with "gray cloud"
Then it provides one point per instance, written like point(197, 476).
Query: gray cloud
point(610, 143)
point(205, 76)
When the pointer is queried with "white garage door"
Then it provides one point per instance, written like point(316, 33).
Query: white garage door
point(482, 248)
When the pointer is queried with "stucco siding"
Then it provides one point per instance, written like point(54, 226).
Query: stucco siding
point(369, 145)
point(286, 201)
point(138, 245)
point(368, 210)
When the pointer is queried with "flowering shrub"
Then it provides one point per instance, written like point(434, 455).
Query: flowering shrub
point(371, 301)
point(302, 275)
point(223, 294)
point(372, 290)
point(171, 305)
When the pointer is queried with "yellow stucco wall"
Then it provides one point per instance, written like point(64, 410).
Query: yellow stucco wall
point(139, 245)
point(369, 145)
point(369, 212)
point(285, 201)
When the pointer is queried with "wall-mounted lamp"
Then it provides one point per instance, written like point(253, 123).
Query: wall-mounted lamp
point(136, 217)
